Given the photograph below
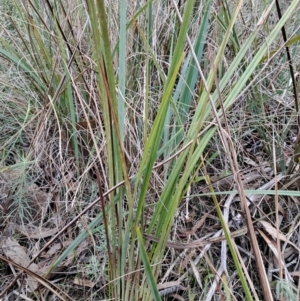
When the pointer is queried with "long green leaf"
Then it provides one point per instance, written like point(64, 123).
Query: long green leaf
point(122, 68)
point(230, 243)
point(147, 266)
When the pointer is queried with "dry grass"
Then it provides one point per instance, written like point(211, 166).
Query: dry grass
point(55, 176)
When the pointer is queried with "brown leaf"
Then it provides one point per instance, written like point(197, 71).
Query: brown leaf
point(53, 250)
point(272, 245)
point(83, 282)
point(272, 230)
point(36, 232)
point(199, 224)
point(50, 286)
point(165, 285)
point(18, 254)
point(196, 273)
point(178, 297)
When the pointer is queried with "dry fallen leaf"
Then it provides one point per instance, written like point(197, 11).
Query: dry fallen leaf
point(196, 273)
point(53, 251)
point(36, 232)
point(273, 247)
point(178, 297)
point(272, 230)
point(166, 285)
point(83, 282)
point(18, 254)
point(50, 286)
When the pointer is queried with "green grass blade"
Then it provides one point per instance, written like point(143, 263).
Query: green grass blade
point(147, 266)
point(230, 243)
point(153, 141)
point(122, 68)
point(72, 247)
point(260, 53)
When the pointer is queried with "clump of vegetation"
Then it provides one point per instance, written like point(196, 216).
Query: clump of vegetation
point(149, 150)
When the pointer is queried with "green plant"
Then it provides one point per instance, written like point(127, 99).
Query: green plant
point(107, 109)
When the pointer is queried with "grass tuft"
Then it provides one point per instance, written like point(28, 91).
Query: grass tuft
point(143, 140)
